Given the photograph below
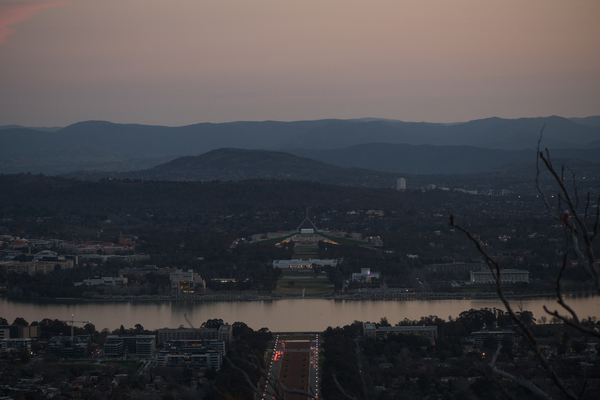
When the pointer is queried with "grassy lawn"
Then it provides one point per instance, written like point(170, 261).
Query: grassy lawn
point(299, 273)
point(271, 242)
point(306, 249)
point(305, 253)
point(312, 286)
point(345, 241)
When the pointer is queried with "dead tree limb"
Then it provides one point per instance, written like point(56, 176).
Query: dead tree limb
point(494, 267)
point(575, 228)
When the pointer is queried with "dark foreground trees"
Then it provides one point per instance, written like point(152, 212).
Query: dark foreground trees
point(340, 375)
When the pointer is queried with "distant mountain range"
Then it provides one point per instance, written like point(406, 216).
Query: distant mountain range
point(428, 159)
point(374, 144)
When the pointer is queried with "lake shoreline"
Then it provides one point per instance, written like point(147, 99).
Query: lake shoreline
point(288, 315)
point(346, 297)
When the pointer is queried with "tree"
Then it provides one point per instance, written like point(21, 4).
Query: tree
point(574, 218)
point(49, 328)
point(526, 317)
point(20, 322)
point(90, 328)
point(213, 323)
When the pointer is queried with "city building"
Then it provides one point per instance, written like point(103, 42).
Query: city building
point(296, 264)
point(194, 354)
point(114, 347)
point(365, 275)
point(401, 184)
point(64, 347)
point(142, 346)
point(107, 280)
point(9, 331)
point(186, 282)
point(370, 330)
point(44, 265)
point(223, 333)
point(18, 332)
point(14, 345)
point(145, 345)
point(485, 276)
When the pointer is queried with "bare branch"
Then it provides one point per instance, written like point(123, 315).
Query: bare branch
point(577, 325)
point(525, 383)
point(574, 229)
point(537, 178)
point(495, 269)
point(595, 232)
point(341, 389)
point(585, 255)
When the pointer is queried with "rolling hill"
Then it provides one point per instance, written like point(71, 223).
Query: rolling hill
point(121, 147)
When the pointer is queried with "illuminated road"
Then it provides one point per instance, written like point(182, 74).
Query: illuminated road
point(294, 364)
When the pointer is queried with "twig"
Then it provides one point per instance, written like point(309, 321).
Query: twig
point(525, 383)
point(588, 259)
point(341, 389)
point(495, 269)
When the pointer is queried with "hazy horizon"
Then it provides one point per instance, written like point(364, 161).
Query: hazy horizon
point(225, 122)
point(186, 62)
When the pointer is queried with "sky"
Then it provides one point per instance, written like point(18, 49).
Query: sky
point(181, 62)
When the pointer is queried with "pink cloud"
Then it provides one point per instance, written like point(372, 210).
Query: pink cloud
point(11, 14)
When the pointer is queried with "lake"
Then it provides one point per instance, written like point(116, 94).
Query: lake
point(284, 315)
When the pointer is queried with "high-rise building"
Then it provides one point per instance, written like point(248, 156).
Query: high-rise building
point(401, 184)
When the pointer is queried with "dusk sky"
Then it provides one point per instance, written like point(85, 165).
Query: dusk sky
point(182, 62)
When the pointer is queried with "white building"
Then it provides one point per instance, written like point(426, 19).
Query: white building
point(365, 275)
point(186, 282)
point(295, 263)
point(401, 184)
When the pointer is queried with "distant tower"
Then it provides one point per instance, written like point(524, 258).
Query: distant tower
point(401, 184)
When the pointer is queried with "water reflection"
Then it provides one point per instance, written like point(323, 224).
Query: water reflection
point(277, 315)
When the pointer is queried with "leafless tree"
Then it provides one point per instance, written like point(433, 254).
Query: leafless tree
point(579, 239)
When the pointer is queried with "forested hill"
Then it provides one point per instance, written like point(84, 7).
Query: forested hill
point(411, 162)
point(239, 164)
